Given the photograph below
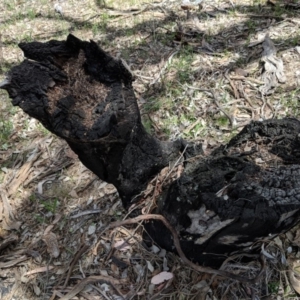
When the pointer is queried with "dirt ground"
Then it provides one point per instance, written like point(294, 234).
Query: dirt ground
point(201, 73)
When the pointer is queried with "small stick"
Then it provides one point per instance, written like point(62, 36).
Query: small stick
point(231, 119)
point(235, 92)
point(246, 79)
point(176, 163)
point(74, 261)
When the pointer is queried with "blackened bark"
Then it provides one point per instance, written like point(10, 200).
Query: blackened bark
point(223, 203)
point(245, 191)
point(84, 96)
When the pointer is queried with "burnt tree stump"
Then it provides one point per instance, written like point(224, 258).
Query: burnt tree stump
point(84, 96)
point(222, 204)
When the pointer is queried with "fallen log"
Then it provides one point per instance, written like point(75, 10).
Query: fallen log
point(222, 204)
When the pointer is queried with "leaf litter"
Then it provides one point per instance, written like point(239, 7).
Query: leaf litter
point(201, 74)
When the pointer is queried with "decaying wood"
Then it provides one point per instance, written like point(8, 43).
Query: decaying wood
point(223, 203)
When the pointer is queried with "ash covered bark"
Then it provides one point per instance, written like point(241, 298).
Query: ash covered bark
point(224, 202)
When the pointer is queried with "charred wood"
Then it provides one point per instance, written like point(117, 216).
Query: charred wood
point(85, 96)
point(224, 203)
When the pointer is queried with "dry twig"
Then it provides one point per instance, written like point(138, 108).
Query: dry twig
point(74, 261)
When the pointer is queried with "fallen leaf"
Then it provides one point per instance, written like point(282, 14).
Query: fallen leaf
point(24, 277)
point(52, 245)
point(259, 160)
point(92, 229)
point(73, 194)
point(161, 277)
point(121, 245)
point(150, 267)
point(36, 290)
point(241, 72)
point(70, 153)
point(155, 249)
point(109, 189)
point(294, 274)
point(103, 273)
point(206, 45)
point(165, 265)
point(296, 239)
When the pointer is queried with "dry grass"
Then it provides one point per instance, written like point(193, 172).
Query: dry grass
point(56, 210)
